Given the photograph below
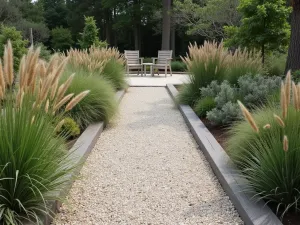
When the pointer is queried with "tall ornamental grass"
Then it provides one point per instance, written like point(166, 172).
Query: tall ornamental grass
point(266, 149)
point(204, 63)
point(213, 62)
point(99, 105)
point(105, 62)
point(34, 164)
point(243, 62)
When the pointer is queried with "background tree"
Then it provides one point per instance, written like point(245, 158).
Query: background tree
point(166, 25)
point(19, 45)
point(89, 35)
point(293, 60)
point(207, 18)
point(264, 26)
point(61, 39)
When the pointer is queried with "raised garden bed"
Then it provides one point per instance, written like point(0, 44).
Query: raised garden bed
point(81, 149)
point(251, 210)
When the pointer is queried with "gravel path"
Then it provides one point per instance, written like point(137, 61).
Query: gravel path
point(146, 169)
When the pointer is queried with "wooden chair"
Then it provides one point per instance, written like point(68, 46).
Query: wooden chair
point(133, 61)
point(163, 61)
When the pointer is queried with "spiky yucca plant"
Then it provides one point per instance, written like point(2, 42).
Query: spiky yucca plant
point(267, 152)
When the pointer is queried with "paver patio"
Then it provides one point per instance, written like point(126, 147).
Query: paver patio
point(146, 169)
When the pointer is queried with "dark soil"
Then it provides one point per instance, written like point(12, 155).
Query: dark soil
point(220, 133)
point(291, 219)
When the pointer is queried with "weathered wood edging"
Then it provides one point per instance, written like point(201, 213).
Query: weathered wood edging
point(252, 211)
point(81, 150)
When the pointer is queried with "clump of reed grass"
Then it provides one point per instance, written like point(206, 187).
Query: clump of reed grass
point(94, 59)
point(37, 79)
point(269, 158)
point(212, 61)
point(243, 62)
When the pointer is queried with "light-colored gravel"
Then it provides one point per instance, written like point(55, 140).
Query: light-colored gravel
point(146, 169)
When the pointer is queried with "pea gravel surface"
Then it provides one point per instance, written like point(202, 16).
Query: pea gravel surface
point(146, 168)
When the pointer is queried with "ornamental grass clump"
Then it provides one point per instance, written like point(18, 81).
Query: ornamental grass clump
point(34, 163)
point(204, 63)
point(243, 62)
point(267, 152)
point(99, 105)
point(106, 62)
point(37, 79)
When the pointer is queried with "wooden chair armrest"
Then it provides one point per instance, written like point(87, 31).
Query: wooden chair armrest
point(142, 59)
point(153, 59)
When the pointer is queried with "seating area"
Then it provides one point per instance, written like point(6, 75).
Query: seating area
point(161, 62)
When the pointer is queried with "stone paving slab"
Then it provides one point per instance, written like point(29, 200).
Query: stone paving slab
point(157, 81)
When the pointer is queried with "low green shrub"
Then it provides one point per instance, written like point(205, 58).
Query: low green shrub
point(178, 66)
point(34, 164)
point(114, 72)
point(253, 91)
point(204, 105)
point(69, 129)
point(99, 105)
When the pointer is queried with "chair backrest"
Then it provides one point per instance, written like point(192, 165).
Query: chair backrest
point(163, 56)
point(132, 56)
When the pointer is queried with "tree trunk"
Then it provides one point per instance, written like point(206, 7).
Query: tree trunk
point(173, 33)
point(166, 26)
point(293, 60)
point(137, 24)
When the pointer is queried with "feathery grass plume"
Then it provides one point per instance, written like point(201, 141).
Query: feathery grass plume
point(241, 62)
point(279, 120)
point(288, 81)
point(267, 126)
point(76, 100)
point(59, 125)
point(62, 102)
point(283, 100)
point(52, 64)
point(8, 63)
point(59, 70)
point(2, 80)
point(285, 143)
point(53, 90)
point(94, 59)
point(295, 96)
point(65, 87)
point(248, 117)
point(42, 69)
point(47, 106)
